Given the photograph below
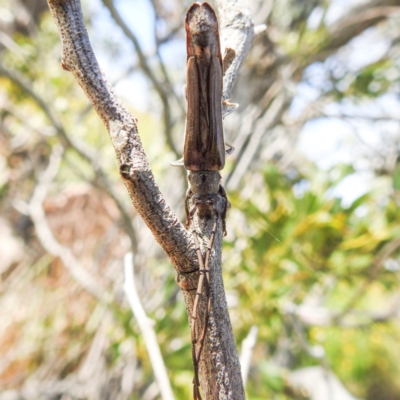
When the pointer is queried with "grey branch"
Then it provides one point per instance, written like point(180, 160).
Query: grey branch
point(46, 237)
point(164, 89)
point(78, 58)
point(237, 32)
point(219, 367)
point(79, 147)
point(247, 352)
point(146, 328)
point(318, 384)
point(372, 272)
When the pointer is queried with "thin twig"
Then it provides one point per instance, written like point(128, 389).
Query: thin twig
point(81, 148)
point(79, 59)
point(322, 316)
point(237, 33)
point(146, 328)
point(272, 115)
point(317, 384)
point(247, 352)
point(373, 271)
point(159, 42)
point(46, 237)
point(160, 87)
point(220, 368)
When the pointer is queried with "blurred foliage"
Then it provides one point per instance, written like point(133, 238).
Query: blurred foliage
point(306, 247)
point(317, 276)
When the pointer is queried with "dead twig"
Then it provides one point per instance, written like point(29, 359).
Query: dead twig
point(247, 352)
point(146, 328)
point(81, 148)
point(164, 89)
point(46, 237)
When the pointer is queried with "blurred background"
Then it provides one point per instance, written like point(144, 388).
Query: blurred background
point(312, 256)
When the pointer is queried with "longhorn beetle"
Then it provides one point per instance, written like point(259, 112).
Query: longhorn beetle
point(204, 147)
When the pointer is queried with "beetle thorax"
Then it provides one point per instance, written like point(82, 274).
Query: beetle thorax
point(204, 182)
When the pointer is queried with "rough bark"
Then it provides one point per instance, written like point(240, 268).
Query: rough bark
point(219, 368)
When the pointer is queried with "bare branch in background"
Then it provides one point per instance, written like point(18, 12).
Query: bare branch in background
point(164, 90)
point(27, 87)
point(46, 237)
point(280, 67)
point(146, 328)
point(373, 272)
point(237, 33)
point(247, 352)
point(318, 384)
point(258, 29)
point(159, 42)
point(317, 352)
point(81, 148)
point(352, 24)
point(281, 89)
point(79, 59)
point(269, 119)
point(310, 271)
point(219, 367)
point(353, 319)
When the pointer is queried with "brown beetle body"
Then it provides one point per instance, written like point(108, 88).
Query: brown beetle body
point(204, 148)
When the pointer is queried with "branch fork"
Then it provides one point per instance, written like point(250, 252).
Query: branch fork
point(219, 368)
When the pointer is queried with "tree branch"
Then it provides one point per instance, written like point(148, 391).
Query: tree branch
point(68, 142)
point(373, 271)
point(352, 24)
point(247, 352)
point(318, 384)
point(237, 32)
point(219, 366)
point(162, 89)
point(78, 58)
point(147, 330)
point(47, 238)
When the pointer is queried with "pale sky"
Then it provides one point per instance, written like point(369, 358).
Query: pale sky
point(326, 141)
